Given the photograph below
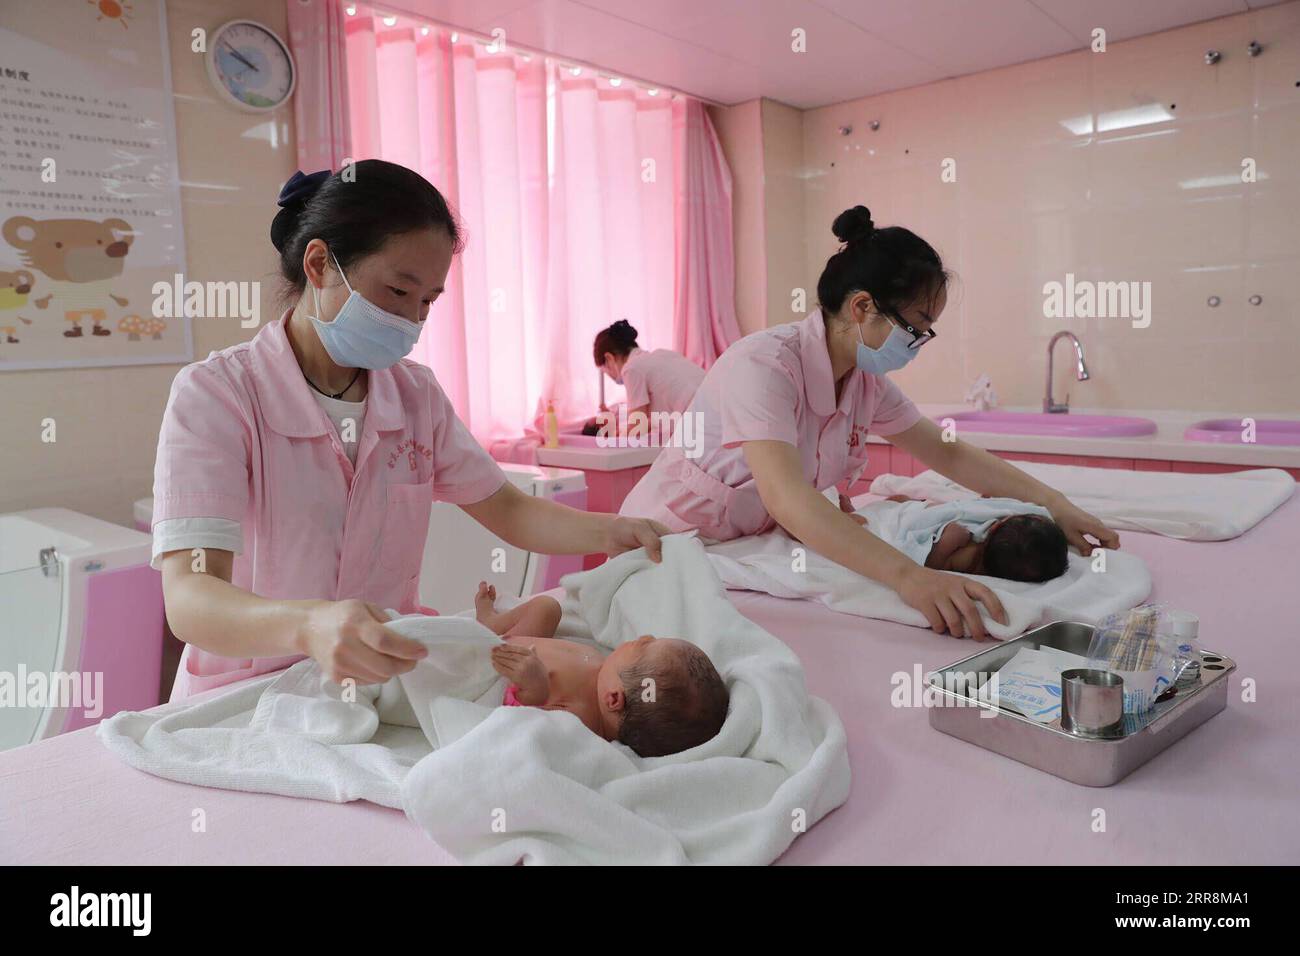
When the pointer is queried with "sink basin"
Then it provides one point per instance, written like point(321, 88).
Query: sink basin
point(595, 441)
point(1064, 424)
point(1267, 431)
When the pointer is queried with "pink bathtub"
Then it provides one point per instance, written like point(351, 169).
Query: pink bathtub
point(82, 626)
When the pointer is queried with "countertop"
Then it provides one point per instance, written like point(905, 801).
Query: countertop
point(1167, 444)
point(597, 459)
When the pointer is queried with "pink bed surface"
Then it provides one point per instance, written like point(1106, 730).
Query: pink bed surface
point(1224, 794)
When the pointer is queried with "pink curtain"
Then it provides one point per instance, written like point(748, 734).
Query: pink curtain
point(705, 308)
point(321, 122)
point(582, 203)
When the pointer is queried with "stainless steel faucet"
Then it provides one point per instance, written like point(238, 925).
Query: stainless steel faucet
point(1048, 404)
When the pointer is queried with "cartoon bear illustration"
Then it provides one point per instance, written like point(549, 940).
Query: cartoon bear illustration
point(81, 257)
point(14, 289)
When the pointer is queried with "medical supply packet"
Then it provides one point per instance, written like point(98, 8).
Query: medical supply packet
point(1147, 647)
point(1030, 683)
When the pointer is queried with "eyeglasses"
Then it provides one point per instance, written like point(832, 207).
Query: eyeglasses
point(919, 338)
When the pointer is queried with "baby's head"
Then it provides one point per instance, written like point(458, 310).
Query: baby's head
point(1025, 548)
point(660, 696)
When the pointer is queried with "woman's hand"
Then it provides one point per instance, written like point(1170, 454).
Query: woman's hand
point(948, 601)
point(1076, 523)
point(628, 534)
point(349, 641)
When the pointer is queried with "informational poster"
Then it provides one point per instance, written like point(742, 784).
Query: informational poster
point(90, 212)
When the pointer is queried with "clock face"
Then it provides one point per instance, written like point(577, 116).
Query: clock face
point(251, 65)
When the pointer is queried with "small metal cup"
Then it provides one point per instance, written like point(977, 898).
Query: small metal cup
point(1092, 702)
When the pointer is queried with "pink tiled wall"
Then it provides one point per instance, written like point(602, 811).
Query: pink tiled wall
point(1116, 166)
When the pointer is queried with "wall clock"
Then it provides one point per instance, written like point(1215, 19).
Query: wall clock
point(250, 66)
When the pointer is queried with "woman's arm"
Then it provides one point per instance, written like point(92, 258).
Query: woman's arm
point(347, 638)
point(990, 475)
point(946, 600)
point(548, 527)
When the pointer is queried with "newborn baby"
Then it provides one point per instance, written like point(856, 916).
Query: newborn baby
point(658, 696)
point(998, 537)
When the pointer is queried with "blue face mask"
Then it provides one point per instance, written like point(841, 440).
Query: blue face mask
point(363, 335)
point(890, 357)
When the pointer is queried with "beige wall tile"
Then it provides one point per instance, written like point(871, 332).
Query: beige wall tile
point(232, 165)
point(1121, 166)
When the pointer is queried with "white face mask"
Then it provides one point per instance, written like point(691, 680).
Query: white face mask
point(363, 335)
point(890, 357)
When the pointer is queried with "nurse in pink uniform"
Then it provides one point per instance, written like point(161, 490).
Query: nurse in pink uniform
point(656, 381)
point(784, 415)
point(296, 472)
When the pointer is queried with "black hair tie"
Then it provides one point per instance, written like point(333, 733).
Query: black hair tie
point(301, 187)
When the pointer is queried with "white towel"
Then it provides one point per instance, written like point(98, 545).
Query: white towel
point(1176, 505)
point(498, 784)
point(293, 733)
point(779, 565)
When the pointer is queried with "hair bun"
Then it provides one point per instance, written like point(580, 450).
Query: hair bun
point(853, 225)
point(301, 187)
point(293, 197)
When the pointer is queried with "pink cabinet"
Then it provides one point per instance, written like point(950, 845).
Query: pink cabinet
point(605, 492)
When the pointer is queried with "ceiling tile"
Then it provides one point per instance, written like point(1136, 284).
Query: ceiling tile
point(730, 51)
point(1123, 19)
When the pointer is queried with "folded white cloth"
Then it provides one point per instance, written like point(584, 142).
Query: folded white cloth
point(298, 734)
point(779, 565)
point(1173, 504)
point(498, 784)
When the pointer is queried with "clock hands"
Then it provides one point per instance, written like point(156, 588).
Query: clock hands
point(235, 54)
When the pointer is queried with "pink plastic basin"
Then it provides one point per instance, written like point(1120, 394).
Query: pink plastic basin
point(1063, 424)
point(595, 441)
point(1267, 431)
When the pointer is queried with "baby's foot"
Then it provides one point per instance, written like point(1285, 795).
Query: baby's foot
point(485, 602)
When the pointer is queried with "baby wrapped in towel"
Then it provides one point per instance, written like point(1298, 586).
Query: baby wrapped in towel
point(658, 696)
point(998, 537)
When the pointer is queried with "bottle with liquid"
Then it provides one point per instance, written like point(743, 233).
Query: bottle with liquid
point(552, 426)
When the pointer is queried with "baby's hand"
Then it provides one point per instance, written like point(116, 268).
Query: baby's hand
point(523, 668)
point(846, 505)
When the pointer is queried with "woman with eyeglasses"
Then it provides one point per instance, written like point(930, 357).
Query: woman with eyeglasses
point(785, 413)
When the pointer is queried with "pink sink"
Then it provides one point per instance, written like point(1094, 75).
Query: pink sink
point(596, 441)
point(1267, 431)
point(1064, 424)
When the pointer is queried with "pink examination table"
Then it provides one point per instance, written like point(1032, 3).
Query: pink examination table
point(1225, 794)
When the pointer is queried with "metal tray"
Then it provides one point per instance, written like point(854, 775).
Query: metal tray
point(1092, 762)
